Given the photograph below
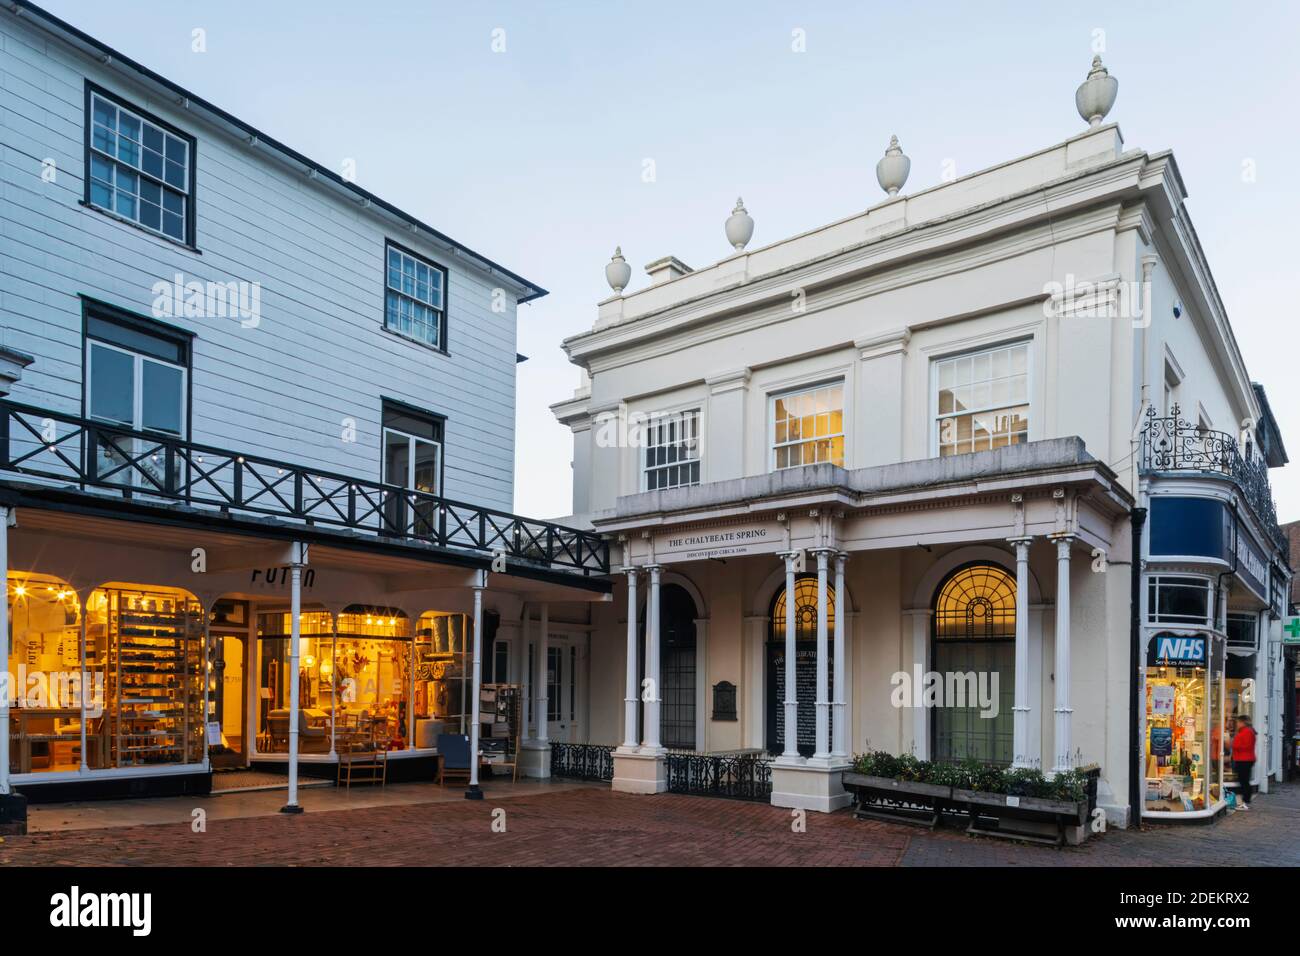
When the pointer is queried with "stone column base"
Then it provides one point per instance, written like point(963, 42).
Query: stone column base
point(805, 786)
point(535, 759)
point(636, 771)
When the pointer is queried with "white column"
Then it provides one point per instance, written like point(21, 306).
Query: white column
point(630, 698)
point(5, 678)
point(920, 621)
point(791, 702)
point(1021, 709)
point(1063, 758)
point(334, 681)
point(839, 732)
point(651, 736)
point(543, 699)
point(83, 597)
point(823, 722)
point(295, 642)
point(472, 792)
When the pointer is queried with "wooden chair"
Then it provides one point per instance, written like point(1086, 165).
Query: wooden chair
point(453, 758)
point(362, 764)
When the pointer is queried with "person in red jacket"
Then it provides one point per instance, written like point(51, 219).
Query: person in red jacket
point(1243, 759)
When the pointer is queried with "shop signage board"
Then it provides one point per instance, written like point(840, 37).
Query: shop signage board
point(1174, 650)
point(707, 543)
point(1291, 630)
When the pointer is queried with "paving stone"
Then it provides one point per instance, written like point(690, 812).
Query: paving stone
point(601, 828)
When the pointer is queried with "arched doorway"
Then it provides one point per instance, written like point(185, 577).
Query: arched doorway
point(677, 672)
point(805, 624)
point(974, 654)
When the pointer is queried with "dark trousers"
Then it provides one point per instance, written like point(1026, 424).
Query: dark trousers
point(1244, 769)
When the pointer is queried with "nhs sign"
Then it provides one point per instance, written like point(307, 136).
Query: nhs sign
point(1172, 650)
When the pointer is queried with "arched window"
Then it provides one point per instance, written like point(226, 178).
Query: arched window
point(805, 635)
point(974, 657)
point(805, 610)
point(978, 601)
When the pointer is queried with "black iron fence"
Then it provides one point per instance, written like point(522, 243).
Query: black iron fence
point(1172, 444)
point(739, 776)
point(582, 761)
point(68, 449)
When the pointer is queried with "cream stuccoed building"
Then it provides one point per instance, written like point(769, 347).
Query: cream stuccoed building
point(977, 472)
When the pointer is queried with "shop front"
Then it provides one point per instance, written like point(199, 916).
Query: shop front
point(149, 647)
point(1186, 725)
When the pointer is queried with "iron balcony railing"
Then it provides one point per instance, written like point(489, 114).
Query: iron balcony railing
point(146, 465)
point(1172, 444)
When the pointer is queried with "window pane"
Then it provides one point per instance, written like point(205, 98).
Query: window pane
point(112, 385)
point(163, 398)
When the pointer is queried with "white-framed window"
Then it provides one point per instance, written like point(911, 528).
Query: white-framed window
point(981, 400)
point(415, 297)
point(412, 461)
point(808, 426)
point(1179, 599)
point(136, 380)
point(138, 169)
point(672, 451)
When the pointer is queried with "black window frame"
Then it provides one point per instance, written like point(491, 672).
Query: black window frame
point(438, 422)
point(443, 321)
point(96, 310)
point(191, 202)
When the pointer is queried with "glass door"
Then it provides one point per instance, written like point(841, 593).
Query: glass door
point(561, 696)
point(411, 462)
point(137, 392)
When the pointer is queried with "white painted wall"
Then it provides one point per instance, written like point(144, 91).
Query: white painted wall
point(320, 353)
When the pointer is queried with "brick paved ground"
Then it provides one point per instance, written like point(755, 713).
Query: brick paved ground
point(597, 827)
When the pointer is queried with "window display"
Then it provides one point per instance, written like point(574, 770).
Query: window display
point(442, 672)
point(1184, 721)
point(142, 674)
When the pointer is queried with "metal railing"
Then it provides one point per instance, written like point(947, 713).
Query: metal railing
point(1172, 444)
point(68, 449)
point(738, 776)
point(582, 761)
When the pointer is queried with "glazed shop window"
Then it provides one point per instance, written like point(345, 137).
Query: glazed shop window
point(1173, 599)
point(672, 451)
point(139, 169)
point(316, 681)
point(442, 673)
point(982, 400)
point(1185, 734)
point(808, 427)
point(142, 675)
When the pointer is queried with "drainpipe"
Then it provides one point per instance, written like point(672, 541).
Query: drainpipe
point(1137, 518)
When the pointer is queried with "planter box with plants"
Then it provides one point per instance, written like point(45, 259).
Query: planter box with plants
point(902, 789)
point(1019, 803)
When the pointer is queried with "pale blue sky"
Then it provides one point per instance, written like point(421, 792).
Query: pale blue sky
point(534, 156)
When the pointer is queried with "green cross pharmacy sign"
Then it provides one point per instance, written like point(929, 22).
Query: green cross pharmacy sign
point(1291, 630)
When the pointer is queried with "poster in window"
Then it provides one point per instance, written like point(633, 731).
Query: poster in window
point(1162, 700)
point(1162, 741)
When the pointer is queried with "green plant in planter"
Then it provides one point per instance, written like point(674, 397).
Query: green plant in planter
point(981, 777)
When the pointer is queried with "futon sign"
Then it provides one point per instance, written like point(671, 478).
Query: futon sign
point(1169, 650)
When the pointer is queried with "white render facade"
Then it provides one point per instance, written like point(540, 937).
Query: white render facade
point(1068, 292)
